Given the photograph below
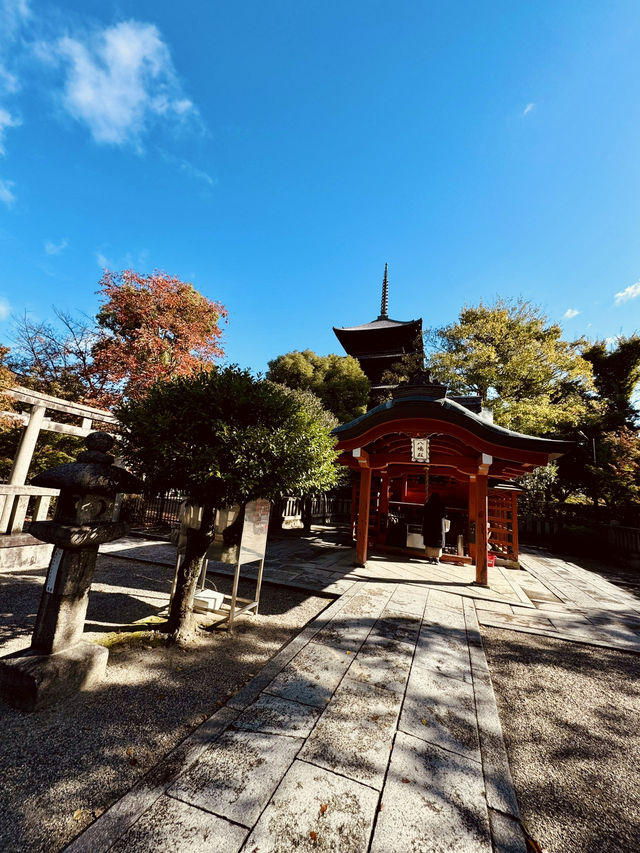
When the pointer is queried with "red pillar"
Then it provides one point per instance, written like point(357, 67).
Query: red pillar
point(354, 510)
point(383, 508)
point(362, 541)
point(514, 523)
point(482, 575)
point(472, 515)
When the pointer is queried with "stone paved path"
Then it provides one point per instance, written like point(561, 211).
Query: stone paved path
point(376, 728)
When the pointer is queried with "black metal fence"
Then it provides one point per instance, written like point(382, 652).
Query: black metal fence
point(154, 510)
point(163, 510)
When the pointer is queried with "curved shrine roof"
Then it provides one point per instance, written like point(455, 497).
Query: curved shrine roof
point(423, 406)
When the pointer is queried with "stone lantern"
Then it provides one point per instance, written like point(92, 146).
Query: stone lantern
point(59, 662)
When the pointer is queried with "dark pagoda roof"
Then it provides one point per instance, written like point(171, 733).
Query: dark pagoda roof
point(382, 337)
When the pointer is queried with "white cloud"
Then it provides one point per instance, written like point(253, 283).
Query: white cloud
point(119, 80)
point(528, 108)
point(52, 248)
point(628, 293)
point(571, 312)
point(6, 120)
point(102, 261)
point(5, 309)
point(6, 192)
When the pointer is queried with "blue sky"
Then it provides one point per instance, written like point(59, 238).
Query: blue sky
point(276, 154)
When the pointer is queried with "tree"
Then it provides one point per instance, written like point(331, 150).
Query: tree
point(224, 438)
point(338, 381)
point(516, 361)
point(616, 374)
point(147, 328)
point(618, 470)
point(57, 359)
point(153, 327)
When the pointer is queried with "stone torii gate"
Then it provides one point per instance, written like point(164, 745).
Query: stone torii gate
point(38, 414)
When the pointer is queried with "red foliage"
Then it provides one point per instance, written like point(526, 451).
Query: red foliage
point(152, 327)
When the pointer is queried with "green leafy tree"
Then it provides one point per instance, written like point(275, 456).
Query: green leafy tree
point(224, 438)
point(511, 356)
point(617, 470)
point(616, 374)
point(338, 381)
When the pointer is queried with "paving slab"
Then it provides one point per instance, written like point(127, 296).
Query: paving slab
point(441, 710)
point(398, 625)
point(433, 801)
point(274, 715)
point(176, 827)
point(506, 833)
point(446, 620)
point(236, 776)
point(315, 810)
point(354, 735)
point(345, 633)
point(383, 661)
point(312, 676)
point(445, 600)
point(446, 653)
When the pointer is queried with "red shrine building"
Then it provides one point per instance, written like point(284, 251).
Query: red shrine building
point(423, 441)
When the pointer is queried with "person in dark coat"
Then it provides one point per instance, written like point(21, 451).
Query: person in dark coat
point(433, 528)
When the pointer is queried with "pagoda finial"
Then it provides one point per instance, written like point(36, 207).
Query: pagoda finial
point(384, 304)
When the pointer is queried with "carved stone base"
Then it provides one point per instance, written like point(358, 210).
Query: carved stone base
point(31, 681)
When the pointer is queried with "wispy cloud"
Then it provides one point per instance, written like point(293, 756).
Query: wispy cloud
point(52, 248)
point(571, 312)
point(13, 15)
point(103, 262)
point(6, 192)
point(187, 167)
point(628, 293)
point(120, 80)
point(528, 108)
point(6, 121)
point(5, 309)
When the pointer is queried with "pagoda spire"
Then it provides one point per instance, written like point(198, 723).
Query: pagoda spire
point(384, 303)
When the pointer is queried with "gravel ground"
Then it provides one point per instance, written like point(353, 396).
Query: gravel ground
point(570, 717)
point(61, 767)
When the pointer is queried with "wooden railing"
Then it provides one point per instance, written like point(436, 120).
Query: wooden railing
point(14, 506)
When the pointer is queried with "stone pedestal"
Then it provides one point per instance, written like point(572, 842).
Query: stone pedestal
point(59, 662)
point(31, 681)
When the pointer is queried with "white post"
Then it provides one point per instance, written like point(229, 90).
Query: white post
point(23, 460)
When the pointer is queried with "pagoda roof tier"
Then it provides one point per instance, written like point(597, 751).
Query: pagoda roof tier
point(381, 337)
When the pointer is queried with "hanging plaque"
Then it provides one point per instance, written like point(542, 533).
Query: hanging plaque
point(420, 450)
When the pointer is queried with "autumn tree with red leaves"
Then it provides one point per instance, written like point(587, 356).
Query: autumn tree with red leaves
point(152, 327)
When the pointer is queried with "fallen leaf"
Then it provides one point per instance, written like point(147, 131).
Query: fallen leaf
point(405, 780)
point(219, 703)
point(78, 814)
point(179, 668)
point(312, 835)
point(98, 812)
point(380, 807)
point(375, 717)
point(323, 808)
point(348, 653)
point(423, 721)
point(129, 751)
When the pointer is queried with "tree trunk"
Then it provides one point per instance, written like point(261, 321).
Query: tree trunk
point(306, 513)
point(181, 620)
